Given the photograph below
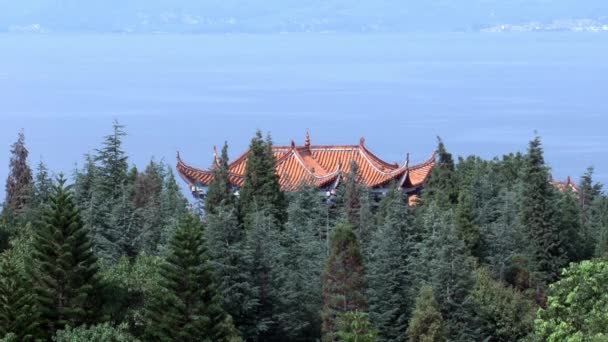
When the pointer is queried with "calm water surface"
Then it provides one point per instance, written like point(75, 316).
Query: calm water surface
point(483, 94)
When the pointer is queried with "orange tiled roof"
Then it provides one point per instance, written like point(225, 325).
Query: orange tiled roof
point(321, 166)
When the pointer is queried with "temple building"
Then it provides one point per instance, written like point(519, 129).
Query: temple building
point(323, 166)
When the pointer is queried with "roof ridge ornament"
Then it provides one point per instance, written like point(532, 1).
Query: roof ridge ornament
point(293, 144)
point(362, 141)
point(307, 140)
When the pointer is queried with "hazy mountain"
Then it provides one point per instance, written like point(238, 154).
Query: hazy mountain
point(286, 15)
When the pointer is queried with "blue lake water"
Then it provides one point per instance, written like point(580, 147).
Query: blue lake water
point(484, 94)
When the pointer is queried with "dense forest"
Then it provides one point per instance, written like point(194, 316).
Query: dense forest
point(492, 251)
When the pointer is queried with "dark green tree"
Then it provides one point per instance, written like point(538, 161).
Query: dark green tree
point(343, 279)
point(66, 275)
point(261, 188)
point(538, 215)
point(173, 205)
point(352, 200)
point(113, 164)
point(426, 324)
point(302, 260)
point(573, 234)
point(220, 191)
point(442, 186)
point(195, 312)
point(18, 314)
point(43, 185)
point(390, 276)
point(466, 223)
point(19, 184)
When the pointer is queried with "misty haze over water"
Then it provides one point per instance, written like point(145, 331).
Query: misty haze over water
point(483, 94)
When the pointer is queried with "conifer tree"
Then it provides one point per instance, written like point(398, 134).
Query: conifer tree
point(113, 165)
point(173, 205)
point(355, 327)
point(230, 264)
point(19, 182)
point(466, 225)
point(43, 184)
point(304, 253)
point(573, 236)
point(220, 190)
point(66, 278)
point(261, 187)
point(352, 201)
point(444, 264)
point(343, 279)
point(390, 276)
point(18, 314)
point(148, 219)
point(442, 185)
point(537, 215)
point(195, 312)
point(262, 248)
point(426, 324)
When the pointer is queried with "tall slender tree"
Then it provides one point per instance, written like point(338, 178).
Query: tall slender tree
point(390, 271)
point(538, 215)
point(19, 182)
point(442, 184)
point(426, 324)
point(66, 277)
point(195, 312)
point(343, 279)
point(18, 314)
point(220, 189)
point(261, 188)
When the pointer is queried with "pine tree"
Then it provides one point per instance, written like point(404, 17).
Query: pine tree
point(230, 264)
point(352, 201)
point(19, 182)
point(66, 278)
point(18, 313)
point(113, 165)
point(466, 225)
point(426, 324)
point(173, 205)
point(220, 189)
point(302, 259)
point(43, 184)
point(262, 248)
point(343, 279)
point(390, 276)
point(148, 219)
point(573, 237)
point(444, 264)
point(537, 215)
point(195, 311)
point(442, 185)
point(261, 188)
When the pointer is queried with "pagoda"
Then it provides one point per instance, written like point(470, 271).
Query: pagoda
point(323, 166)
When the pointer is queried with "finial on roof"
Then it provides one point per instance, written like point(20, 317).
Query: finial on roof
point(407, 159)
point(568, 180)
point(307, 140)
point(293, 143)
point(178, 155)
point(362, 141)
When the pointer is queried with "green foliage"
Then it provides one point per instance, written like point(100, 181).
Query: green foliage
point(343, 279)
point(426, 324)
point(97, 333)
point(504, 313)
point(19, 184)
point(220, 191)
point(538, 216)
point(65, 278)
point(189, 307)
point(302, 260)
point(444, 263)
point(262, 248)
point(390, 271)
point(442, 187)
point(352, 201)
point(573, 236)
point(577, 307)
point(261, 189)
point(18, 314)
point(466, 225)
point(354, 327)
